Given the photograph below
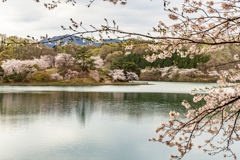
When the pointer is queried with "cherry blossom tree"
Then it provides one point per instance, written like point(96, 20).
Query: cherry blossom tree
point(71, 74)
point(41, 63)
point(117, 75)
point(64, 60)
point(49, 59)
point(18, 66)
point(131, 76)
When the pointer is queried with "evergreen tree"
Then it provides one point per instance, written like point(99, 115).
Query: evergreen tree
point(85, 61)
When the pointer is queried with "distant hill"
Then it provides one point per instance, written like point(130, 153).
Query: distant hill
point(74, 39)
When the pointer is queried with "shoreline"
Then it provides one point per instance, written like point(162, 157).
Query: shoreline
point(56, 84)
point(94, 84)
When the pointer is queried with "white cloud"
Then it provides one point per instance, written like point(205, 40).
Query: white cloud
point(26, 17)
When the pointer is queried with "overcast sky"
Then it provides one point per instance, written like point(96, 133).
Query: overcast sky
point(26, 17)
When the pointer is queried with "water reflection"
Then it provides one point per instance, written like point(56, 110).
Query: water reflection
point(90, 125)
point(133, 105)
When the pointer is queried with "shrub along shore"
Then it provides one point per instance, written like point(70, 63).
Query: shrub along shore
point(174, 74)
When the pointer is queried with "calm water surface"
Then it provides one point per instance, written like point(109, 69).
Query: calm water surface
point(90, 122)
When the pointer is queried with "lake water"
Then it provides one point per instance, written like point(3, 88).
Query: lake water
point(90, 122)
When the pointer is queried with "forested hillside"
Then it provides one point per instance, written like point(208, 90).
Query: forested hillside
point(115, 55)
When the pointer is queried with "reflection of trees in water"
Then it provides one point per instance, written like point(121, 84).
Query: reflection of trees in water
point(82, 108)
point(133, 105)
point(61, 104)
point(138, 105)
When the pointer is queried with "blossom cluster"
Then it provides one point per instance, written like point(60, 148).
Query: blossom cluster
point(71, 74)
point(173, 16)
point(117, 75)
point(56, 76)
point(18, 66)
point(98, 61)
point(173, 114)
point(154, 48)
point(129, 47)
point(64, 60)
point(131, 76)
point(47, 61)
